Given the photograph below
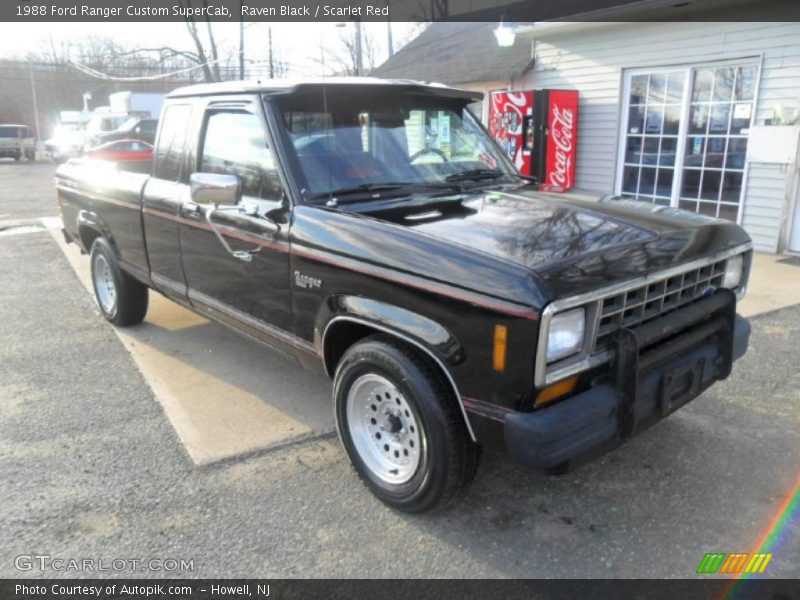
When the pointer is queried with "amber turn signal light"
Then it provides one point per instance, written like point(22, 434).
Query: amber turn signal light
point(556, 391)
point(500, 343)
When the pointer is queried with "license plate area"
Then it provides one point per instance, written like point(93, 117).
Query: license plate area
point(681, 385)
point(655, 346)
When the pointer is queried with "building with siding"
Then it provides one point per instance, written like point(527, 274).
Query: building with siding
point(700, 115)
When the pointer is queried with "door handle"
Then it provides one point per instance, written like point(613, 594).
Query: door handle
point(244, 255)
point(190, 209)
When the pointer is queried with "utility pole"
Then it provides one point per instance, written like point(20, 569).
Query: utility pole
point(359, 57)
point(271, 64)
point(35, 104)
point(389, 43)
point(241, 41)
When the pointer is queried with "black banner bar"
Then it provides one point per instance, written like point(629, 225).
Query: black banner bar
point(388, 589)
point(395, 10)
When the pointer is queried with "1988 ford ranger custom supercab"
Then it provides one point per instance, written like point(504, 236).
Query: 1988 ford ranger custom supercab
point(372, 229)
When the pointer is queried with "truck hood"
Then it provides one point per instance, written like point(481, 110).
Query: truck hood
point(573, 245)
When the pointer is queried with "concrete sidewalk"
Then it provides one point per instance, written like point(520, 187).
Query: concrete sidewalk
point(774, 284)
point(226, 396)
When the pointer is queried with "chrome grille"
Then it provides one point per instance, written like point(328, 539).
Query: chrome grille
point(638, 305)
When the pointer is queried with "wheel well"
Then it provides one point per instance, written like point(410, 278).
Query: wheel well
point(342, 334)
point(339, 337)
point(88, 236)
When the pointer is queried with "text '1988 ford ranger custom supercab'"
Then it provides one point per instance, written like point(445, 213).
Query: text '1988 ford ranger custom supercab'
point(372, 229)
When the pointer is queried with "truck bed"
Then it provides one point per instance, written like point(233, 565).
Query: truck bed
point(98, 194)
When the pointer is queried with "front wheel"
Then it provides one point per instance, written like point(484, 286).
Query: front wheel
point(400, 427)
point(122, 300)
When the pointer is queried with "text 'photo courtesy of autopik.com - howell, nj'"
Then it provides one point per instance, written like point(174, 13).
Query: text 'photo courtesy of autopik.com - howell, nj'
point(399, 299)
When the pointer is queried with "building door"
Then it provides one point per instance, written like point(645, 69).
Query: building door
point(794, 234)
point(684, 136)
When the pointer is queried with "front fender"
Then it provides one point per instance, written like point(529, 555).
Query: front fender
point(417, 327)
point(422, 332)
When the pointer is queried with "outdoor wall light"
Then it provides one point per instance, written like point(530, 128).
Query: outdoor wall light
point(504, 34)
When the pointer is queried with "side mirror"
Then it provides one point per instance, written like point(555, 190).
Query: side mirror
point(215, 188)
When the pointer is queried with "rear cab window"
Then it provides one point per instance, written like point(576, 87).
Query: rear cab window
point(170, 147)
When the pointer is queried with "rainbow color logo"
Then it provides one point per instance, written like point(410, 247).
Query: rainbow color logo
point(737, 562)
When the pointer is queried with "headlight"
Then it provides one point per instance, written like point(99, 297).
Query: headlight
point(733, 272)
point(565, 337)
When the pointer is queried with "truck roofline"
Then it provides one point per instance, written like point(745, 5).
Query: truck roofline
point(287, 86)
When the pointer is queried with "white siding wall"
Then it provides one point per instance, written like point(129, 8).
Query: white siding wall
point(766, 201)
point(485, 87)
point(592, 61)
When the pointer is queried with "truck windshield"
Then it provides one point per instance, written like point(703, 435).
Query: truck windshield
point(386, 142)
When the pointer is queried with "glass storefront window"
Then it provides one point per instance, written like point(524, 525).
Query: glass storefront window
point(685, 137)
point(654, 118)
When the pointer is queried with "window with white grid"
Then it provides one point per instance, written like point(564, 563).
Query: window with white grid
point(684, 136)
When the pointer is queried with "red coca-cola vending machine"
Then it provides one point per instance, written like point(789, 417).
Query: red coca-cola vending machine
point(538, 131)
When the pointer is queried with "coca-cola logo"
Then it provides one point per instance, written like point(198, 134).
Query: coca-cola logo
point(562, 132)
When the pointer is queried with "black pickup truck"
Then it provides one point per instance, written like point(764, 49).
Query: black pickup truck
point(372, 229)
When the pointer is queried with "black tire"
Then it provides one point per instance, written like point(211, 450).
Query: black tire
point(129, 305)
point(448, 458)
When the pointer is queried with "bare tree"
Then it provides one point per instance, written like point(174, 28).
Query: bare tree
point(191, 27)
point(212, 43)
point(206, 54)
point(280, 68)
point(213, 69)
point(60, 86)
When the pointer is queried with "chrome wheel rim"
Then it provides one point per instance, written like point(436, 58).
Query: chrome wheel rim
point(384, 428)
point(104, 284)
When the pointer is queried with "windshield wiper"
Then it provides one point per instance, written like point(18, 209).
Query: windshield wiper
point(475, 175)
point(366, 188)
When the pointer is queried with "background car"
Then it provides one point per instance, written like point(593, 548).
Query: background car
point(67, 142)
point(17, 141)
point(134, 128)
point(123, 150)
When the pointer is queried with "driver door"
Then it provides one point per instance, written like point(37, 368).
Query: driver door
point(242, 278)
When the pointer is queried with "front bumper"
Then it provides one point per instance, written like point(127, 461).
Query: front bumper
point(658, 368)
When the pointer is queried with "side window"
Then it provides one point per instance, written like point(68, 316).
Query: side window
point(234, 143)
point(476, 108)
point(169, 151)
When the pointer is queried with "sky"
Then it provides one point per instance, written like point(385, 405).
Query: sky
point(298, 44)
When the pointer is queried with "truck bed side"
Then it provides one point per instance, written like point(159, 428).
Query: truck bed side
point(98, 197)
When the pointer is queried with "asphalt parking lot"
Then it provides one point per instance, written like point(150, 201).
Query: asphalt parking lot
point(92, 466)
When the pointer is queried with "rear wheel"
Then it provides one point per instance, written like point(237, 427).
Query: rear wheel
point(400, 426)
point(122, 299)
